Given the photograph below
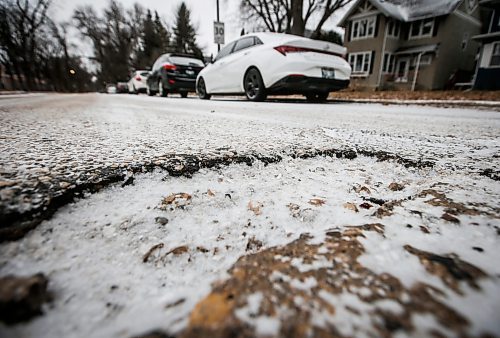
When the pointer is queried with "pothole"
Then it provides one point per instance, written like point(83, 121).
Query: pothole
point(137, 258)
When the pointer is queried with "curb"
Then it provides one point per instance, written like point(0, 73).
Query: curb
point(453, 103)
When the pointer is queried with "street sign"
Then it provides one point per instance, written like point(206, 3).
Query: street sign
point(219, 32)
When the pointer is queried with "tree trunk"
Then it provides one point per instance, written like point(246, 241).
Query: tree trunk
point(298, 24)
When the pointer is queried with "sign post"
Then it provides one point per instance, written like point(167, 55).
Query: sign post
point(217, 33)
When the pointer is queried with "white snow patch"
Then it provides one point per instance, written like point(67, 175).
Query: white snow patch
point(320, 262)
point(264, 325)
point(306, 285)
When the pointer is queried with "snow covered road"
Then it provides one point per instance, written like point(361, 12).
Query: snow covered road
point(394, 230)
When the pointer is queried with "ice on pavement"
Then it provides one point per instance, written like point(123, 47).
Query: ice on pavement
point(93, 250)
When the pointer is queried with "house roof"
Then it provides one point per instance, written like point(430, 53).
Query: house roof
point(408, 10)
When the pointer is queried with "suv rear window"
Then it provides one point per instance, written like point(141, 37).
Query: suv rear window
point(185, 61)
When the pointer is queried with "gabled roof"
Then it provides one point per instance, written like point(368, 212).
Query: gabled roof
point(408, 10)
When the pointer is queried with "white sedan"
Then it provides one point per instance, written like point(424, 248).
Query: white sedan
point(137, 82)
point(259, 64)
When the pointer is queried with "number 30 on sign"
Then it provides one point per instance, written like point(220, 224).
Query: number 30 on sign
point(219, 32)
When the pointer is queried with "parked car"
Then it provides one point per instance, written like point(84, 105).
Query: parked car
point(111, 88)
point(137, 82)
point(259, 64)
point(121, 87)
point(174, 73)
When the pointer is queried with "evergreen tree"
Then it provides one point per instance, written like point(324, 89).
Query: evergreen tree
point(162, 35)
point(154, 41)
point(330, 36)
point(185, 34)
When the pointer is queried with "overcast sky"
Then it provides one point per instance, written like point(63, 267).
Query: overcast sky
point(203, 14)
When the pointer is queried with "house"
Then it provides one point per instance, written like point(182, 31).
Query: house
point(488, 70)
point(408, 44)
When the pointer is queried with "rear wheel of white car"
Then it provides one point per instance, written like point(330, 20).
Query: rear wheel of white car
point(317, 97)
point(202, 90)
point(161, 90)
point(254, 86)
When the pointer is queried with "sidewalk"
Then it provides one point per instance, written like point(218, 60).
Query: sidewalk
point(481, 99)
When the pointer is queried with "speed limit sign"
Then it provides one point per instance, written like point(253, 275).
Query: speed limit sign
point(219, 32)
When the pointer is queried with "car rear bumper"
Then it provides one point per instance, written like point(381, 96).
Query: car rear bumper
point(305, 84)
point(179, 85)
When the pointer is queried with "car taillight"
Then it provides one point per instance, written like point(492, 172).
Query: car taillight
point(290, 49)
point(138, 78)
point(169, 67)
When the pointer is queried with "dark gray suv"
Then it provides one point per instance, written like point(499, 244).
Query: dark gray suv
point(174, 73)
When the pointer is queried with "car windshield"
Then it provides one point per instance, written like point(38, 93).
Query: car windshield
point(185, 61)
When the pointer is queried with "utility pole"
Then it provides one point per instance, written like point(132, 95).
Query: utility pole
point(218, 45)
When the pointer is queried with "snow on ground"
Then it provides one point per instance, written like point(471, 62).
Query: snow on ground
point(59, 141)
point(93, 250)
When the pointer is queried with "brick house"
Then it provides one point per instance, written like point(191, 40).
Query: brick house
point(407, 44)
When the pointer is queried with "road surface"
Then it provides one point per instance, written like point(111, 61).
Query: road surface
point(363, 220)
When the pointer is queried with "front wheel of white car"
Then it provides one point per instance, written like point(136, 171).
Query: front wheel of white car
point(202, 90)
point(254, 85)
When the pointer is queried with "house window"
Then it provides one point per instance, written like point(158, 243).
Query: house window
point(360, 62)
point(393, 28)
point(425, 60)
point(421, 28)
point(388, 67)
point(495, 56)
point(363, 28)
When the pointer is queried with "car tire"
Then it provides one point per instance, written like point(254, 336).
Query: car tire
point(161, 90)
point(317, 97)
point(184, 94)
point(201, 89)
point(254, 85)
point(149, 91)
point(134, 91)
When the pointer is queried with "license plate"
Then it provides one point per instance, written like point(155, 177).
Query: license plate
point(328, 73)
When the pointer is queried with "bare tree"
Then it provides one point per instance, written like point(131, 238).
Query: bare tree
point(114, 37)
point(275, 15)
point(291, 16)
point(21, 24)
